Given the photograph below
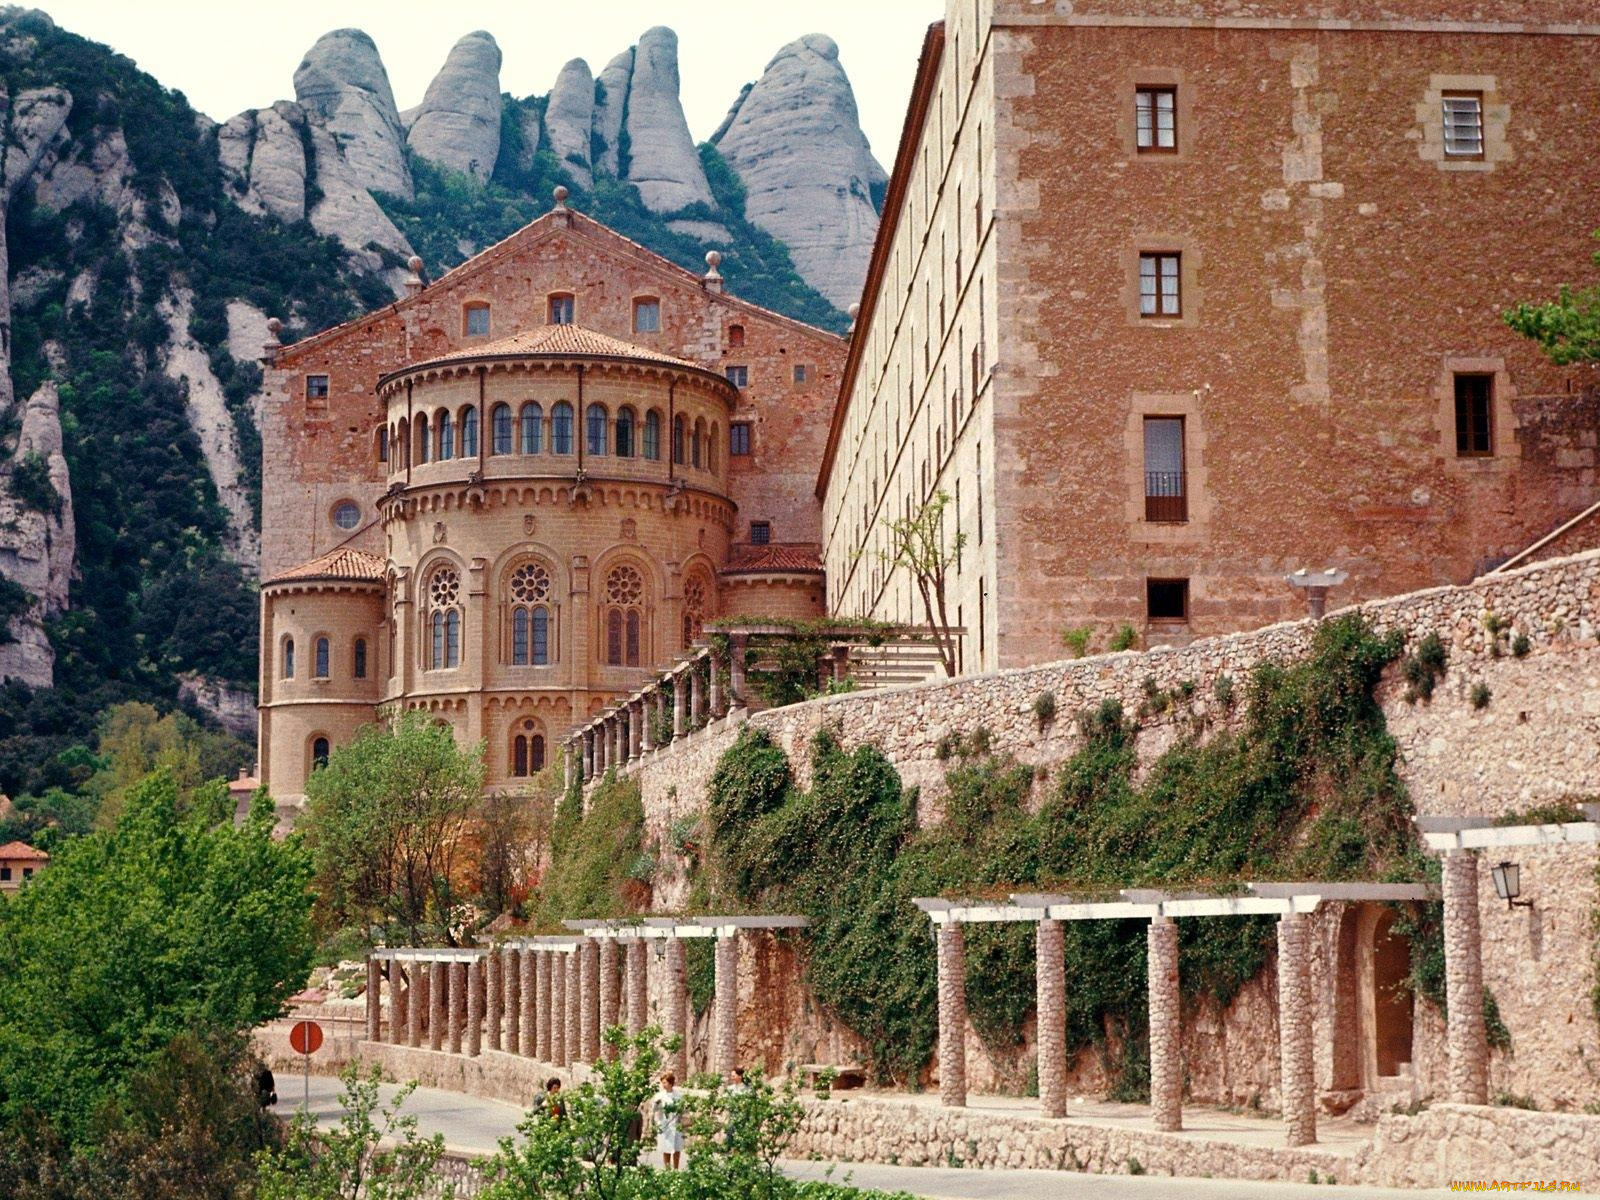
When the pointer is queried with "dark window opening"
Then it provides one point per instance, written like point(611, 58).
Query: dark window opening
point(1167, 599)
point(316, 387)
point(760, 533)
point(739, 439)
point(1474, 416)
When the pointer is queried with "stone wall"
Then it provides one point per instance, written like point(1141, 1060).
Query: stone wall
point(1454, 1141)
point(1536, 740)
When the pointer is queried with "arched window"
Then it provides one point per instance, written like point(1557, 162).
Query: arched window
point(711, 446)
point(624, 616)
point(402, 443)
point(527, 750)
point(288, 658)
point(359, 663)
point(469, 433)
point(323, 655)
point(519, 756)
point(444, 618)
point(383, 443)
point(500, 424)
point(529, 589)
point(624, 432)
point(677, 439)
point(561, 428)
point(695, 444)
point(422, 438)
point(531, 419)
point(698, 604)
point(319, 753)
point(444, 436)
point(595, 424)
point(735, 336)
point(652, 435)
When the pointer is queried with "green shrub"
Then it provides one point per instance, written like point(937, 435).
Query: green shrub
point(1480, 695)
point(1044, 708)
point(1125, 638)
point(1424, 667)
point(1076, 639)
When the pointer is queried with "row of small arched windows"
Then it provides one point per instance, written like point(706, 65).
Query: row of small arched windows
point(322, 658)
point(529, 431)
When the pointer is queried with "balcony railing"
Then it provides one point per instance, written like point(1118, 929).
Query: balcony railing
point(1165, 496)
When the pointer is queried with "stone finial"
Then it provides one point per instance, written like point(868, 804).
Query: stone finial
point(414, 282)
point(560, 195)
point(1316, 585)
point(713, 277)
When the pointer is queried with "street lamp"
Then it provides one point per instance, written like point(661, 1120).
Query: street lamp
point(1507, 878)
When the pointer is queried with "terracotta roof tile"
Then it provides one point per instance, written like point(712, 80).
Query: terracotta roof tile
point(775, 556)
point(346, 562)
point(22, 852)
point(559, 341)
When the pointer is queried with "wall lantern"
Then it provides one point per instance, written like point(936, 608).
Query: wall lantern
point(1507, 878)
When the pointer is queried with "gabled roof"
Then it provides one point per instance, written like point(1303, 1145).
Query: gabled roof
point(561, 341)
point(345, 562)
point(22, 852)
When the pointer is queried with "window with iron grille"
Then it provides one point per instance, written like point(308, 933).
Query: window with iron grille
point(1166, 493)
point(760, 533)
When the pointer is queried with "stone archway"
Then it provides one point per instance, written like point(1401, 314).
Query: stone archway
point(1391, 1003)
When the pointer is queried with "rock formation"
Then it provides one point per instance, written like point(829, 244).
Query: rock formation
point(610, 100)
point(663, 162)
point(569, 119)
point(37, 548)
point(342, 83)
point(263, 152)
point(795, 141)
point(458, 125)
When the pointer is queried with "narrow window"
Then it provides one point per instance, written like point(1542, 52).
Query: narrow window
point(652, 435)
point(677, 440)
point(423, 438)
point(452, 638)
point(541, 637)
point(614, 637)
point(713, 440)
point(738, 376)
point(596, 424)
point(633, 637)
point(477, 320)
point(383, 445)
point(319, 753)
point(735, 336)
point(800, 369)
point(1474, 416)
point(519, 637)
point(561, 428)
point(288, 658)
point(1156, 114)
point(5, 874)
point(519, 753)
point(1159, 288)
point(500, 423)
point(1165, 493)
point(359, 666)
point(561, 308)
point(1167, 599)
point(316, 387)
point(532, 421)
point(438, 639)
point(445, 437)
point(1463, 124)
point(646, 315)
point(760, 533)
point(739, 439)
point(624, 433)
point(322, 658)
point(469, 433)
point(536, 752)
point(694, 443)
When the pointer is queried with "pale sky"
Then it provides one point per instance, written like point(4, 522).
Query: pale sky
point(235, 54)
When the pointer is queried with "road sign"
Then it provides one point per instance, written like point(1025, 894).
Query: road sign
point(306, 1037)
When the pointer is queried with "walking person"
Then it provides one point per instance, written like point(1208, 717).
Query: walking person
point(551, 1105)
point(669, 1139)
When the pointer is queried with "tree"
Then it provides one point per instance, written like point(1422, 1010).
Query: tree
point(385, 821)
point(1566, 328)
point(918, 545)
point(172, 923)
point(511, 832)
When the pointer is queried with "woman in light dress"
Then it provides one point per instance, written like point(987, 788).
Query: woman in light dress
point(669, 1139)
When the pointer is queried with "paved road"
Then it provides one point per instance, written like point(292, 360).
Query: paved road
point(474, 1126)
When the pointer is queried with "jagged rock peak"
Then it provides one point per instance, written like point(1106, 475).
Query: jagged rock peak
point(610, 99)
point(342, 82)
point(340, 59)
point(664, 164)
point(458, 125)
point(569, 119)
point(795, 141)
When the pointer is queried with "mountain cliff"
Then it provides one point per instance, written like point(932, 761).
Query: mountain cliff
point(144, 248)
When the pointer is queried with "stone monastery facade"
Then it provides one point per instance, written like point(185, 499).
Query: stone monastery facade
point(509, 497)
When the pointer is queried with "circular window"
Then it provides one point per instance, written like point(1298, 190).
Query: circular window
point(347, 514)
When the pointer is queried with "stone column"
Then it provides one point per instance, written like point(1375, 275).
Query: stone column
point(1166, 1034)
point(476, 970)
point(697, 704)
point(419, 1002)
point(531, 1039)
point(530, 997)
point(725, 1011)
point(558, 1009)
point(514, 1000)
point(677, 1006)
point(374, 1000)
point(679, 704)
point(546, 990)
point(1295, 1050)
point(588, 754)
point(574, 970)
point(1050, 982)
point(740, 643)
point(399, 995)
point(637, 1000)
point(635, 728)
point(608, 989)
point(717, 699)
point(617, 750)
point(497, 997)
point(647, 735)
point(438, 1003)
point(1466, 1035)
point(589, 993)
point(458, 1005)
point(951, 943)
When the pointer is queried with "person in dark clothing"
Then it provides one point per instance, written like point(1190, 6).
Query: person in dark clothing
point(551, 1104)
point(266, 1086)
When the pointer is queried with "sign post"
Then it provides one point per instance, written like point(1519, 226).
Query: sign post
point(306, 1039)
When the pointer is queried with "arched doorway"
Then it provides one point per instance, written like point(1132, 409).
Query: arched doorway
point(1391, 998)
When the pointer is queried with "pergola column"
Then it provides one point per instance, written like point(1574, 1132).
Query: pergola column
point(637, 1001)
point(589, 990)
point(617, 754)
point(545, 1051)
point(602, 749)
point(647, 739)
point(1299, 1083)
point(497, 1000)
point(438, 1001)
point(1166, 1040)
point(374, 999)
point(558, 1010)
point(736, 655)
point(458, 1005)
point(1466, 1034)
point(419, 1003)
point(951, 944)
point(608, 989)
point(697, 704)
point(635, 728)
point(529, 998)
point(1050, 983)
point(588, 754)
point(678, 705)
point(716, 684)
point(476, 970)
point(725, 1014)
point(399, 994)
point(513, 968)
point(677, 1006)
point(574, 972)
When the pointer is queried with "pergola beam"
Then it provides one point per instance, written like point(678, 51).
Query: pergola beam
point(1478, 837)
